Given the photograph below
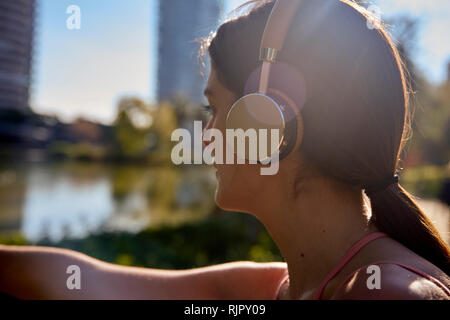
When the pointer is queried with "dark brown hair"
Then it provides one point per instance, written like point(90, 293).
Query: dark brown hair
point(356, 116)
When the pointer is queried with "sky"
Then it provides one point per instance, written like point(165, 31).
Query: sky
point(83, 73)
point(433, 50)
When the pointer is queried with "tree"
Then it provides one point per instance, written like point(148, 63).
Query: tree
point(430, 104)
point(132, 126)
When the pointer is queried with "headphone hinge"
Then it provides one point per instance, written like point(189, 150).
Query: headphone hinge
point(268, 54)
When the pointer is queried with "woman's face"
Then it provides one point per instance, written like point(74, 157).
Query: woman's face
point(237, 184)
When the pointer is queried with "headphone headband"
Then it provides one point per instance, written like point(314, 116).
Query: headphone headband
point(276, 29)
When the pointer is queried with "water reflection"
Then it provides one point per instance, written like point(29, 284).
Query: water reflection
point(57, 204)
point(74, 200)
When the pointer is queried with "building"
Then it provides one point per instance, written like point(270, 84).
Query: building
point(16, 48)
point(180, 22)
point(448, 72)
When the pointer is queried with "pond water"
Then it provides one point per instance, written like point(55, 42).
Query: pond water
point(74, 200)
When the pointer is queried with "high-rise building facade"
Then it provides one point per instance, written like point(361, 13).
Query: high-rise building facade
point(180, 22)
point(448, 72)
point(16, 47)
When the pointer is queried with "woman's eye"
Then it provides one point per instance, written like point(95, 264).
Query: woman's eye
point(209, 110)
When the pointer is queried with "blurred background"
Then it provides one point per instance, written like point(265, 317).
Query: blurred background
point(87, 108)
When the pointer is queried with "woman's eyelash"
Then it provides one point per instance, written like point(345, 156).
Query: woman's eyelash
point(208, 108)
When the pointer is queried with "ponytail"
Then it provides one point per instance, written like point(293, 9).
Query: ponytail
point(396, 213)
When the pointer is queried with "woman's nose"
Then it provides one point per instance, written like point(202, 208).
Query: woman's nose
point(205, 136)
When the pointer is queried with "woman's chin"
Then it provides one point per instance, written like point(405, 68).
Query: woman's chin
point(226, 201)
point(230, 195)
point(219, 198)
point(222, 199)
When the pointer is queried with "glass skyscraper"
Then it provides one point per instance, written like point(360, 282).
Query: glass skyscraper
point(180, 22)
point(16, 47)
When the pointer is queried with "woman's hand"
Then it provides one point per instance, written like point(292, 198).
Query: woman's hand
point(30, 272)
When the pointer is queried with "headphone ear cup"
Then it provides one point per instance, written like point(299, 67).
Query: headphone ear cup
point(257, 111)
point(299, 138)
point(293, 131)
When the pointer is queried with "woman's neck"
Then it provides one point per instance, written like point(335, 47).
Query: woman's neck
point(314, 231)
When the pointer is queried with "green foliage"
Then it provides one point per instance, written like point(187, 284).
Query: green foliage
point(165, 122)
point(13, 239)
point(131, 127)
point(76, 151)
point(126, 179)
point(143, 131)
point(430, 142)
point(429, 103)
point(425, 181)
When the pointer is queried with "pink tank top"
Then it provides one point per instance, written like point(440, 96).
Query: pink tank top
point(350, 253)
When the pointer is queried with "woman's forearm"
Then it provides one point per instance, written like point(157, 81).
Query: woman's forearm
point(29, 272)
point(32, 272)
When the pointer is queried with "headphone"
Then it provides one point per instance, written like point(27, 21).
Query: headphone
point(274, 93)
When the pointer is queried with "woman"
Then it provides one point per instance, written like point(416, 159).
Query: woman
point(337, 241)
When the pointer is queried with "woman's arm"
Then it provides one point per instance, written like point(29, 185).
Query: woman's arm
point(31, 272)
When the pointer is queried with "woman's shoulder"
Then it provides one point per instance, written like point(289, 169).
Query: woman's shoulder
point(397, 273)
point(388, 280)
